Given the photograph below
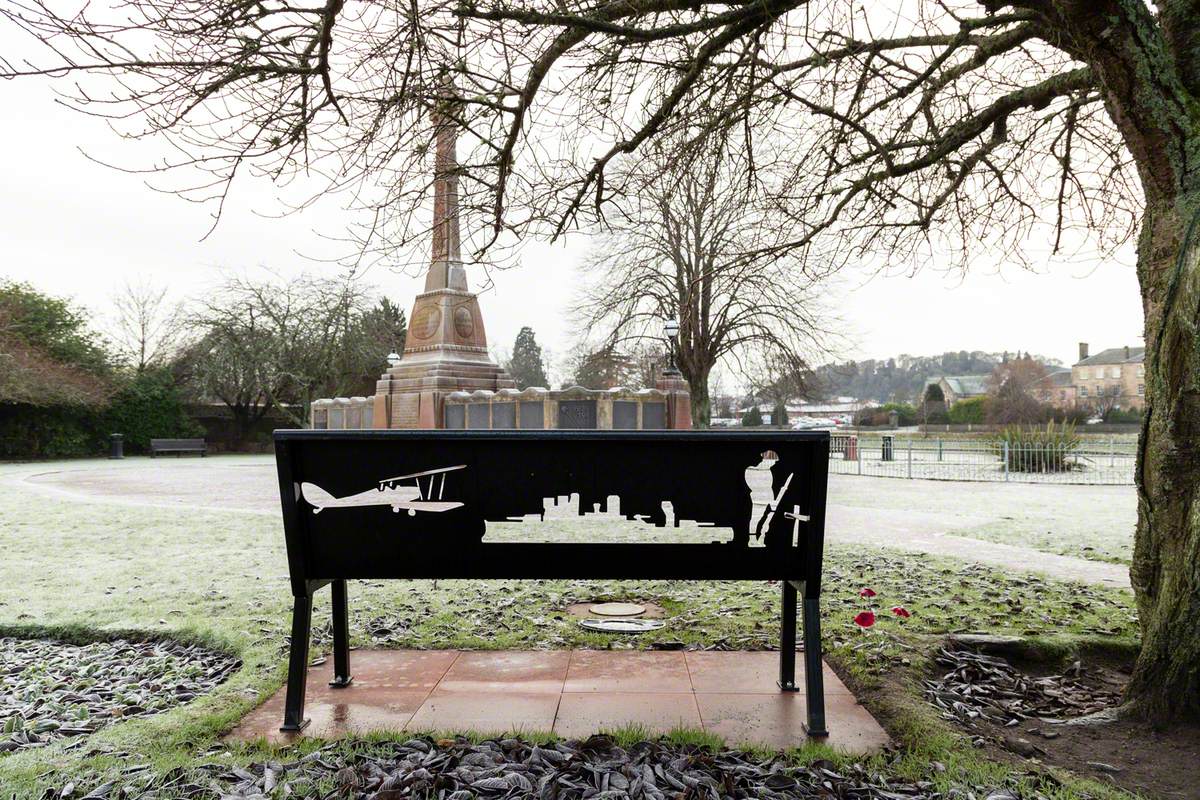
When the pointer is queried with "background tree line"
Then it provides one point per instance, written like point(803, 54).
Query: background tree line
point(257, 348)
point(902, 379)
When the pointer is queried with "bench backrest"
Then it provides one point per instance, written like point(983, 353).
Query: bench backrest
point(416, 504)
point(178, 444)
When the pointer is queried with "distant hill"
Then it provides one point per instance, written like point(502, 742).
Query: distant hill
point(902, 379)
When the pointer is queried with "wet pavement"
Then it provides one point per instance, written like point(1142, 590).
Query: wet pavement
point(569, 693)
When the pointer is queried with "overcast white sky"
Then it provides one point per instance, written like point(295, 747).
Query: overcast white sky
point(72, 227)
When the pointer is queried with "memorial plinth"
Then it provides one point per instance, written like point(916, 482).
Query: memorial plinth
point(446, 379)
point(446, 349)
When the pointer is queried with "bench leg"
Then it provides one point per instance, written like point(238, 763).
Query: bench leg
point(341, 637)
point(787, 638)
point(293, 711)
point(814, 679)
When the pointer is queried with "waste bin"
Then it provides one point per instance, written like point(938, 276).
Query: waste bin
point(888, 449)
point(116, 446)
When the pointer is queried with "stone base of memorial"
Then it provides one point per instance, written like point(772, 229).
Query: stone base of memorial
point(543, 409)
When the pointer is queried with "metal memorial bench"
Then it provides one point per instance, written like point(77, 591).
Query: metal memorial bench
point(416, 504)
point(177, 446)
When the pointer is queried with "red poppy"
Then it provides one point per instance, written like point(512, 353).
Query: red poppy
point(865, 619)
point(901, 611)
point(867, 593)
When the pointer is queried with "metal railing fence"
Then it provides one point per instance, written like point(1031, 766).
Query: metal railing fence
point(1091, 461)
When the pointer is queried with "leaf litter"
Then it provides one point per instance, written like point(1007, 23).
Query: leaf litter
point(596, 768)
point(53, 690)
point(985, 687)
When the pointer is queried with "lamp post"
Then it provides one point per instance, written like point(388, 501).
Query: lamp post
point(671, 329)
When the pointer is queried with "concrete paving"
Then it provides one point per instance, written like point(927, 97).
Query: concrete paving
point(912, 515)
point(570, 693)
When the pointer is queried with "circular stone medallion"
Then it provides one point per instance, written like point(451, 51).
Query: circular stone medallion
point(617, 609)
point(464, 323)
point(425, 322)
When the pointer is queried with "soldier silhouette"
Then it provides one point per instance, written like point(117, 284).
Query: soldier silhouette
point(779, 487)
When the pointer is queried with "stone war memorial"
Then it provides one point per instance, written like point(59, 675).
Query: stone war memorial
point(447, 379)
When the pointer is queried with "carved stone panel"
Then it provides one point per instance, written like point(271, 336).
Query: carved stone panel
point(625, 415)
point(504, 415)
point(406, 411)
point(533, 414)
point(456, 416)
point(477, 416)
point(654, 416)
point(577, 413)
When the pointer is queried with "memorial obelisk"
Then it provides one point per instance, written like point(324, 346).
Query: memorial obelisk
point(446, 349)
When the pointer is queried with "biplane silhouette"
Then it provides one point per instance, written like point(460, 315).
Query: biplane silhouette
point(391, 492)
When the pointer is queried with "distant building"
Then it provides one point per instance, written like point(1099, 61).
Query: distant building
point(1112, 378)
point(1057, 388)
point(836, 407)
point(960, 387)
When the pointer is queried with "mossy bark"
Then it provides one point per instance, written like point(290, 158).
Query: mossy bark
point(1155, 107)
point(1147, 67)
point(1166, 561)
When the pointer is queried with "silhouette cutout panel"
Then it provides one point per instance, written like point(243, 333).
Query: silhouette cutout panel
point(389, 503)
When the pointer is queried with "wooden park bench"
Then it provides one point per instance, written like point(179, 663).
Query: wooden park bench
point(416, 504)
point(177, 446)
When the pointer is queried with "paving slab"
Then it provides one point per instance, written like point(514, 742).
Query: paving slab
point(570, 693)
point(580, 714)
point(630, 671)
point(718, 671)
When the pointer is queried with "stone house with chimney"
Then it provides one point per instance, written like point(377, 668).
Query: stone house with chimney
point(1112, 378)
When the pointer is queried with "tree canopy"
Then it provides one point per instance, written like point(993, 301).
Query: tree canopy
point(48, 355)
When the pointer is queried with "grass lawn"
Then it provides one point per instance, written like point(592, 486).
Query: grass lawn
point(82, 570)
point(1091, 522)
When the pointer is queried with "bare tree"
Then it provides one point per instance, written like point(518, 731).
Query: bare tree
point(604, 367)
point(149, 329)
point(1106, 401)
point(695, 242)
point(778, 379)
point(215, 368)
point(963, 124)
point(280, 344)
point(1022, 371)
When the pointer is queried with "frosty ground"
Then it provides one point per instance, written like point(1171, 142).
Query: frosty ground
point(193, 549)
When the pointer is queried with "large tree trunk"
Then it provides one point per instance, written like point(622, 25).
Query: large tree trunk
point(1166, 559)
point(701, 400)
point(1146, 67)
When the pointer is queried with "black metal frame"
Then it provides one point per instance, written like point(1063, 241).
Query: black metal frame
point(342, 519)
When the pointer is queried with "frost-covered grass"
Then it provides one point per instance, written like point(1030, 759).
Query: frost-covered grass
point(81, 569)
point(1092, 522)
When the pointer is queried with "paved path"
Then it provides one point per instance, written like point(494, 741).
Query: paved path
point(571, 693)
point(912, 515)
point(923, 532)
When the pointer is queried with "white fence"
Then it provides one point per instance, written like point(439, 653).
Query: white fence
point(1094, 460)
